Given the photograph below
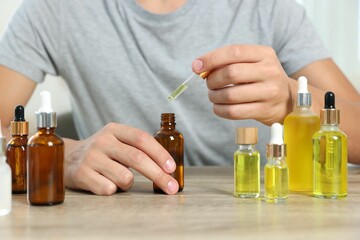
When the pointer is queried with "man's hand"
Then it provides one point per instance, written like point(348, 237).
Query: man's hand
point(101, 163)
point(247, 82)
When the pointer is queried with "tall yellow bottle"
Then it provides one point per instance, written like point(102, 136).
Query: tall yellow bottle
point(299, 128)
point(330, 154)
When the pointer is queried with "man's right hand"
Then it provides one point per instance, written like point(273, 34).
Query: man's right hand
point(101, 163)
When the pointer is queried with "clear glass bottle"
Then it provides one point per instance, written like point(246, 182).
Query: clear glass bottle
point(299, 128)
point(330, 154)
point(276, 171)
point(247, 164)
point(173, 141)
point(45, 164)
point(16, 150)
point(5, 179)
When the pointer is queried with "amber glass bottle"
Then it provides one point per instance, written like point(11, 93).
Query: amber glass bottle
point(173, 141)
point(45, 159)
point(16, 150)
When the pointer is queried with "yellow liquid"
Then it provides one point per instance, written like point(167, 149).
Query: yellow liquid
point(177, 92)
point(330, 164)
point(246, 174)
point(299, 128)
point(276, 182)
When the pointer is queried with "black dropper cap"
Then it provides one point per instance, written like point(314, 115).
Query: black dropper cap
point(329, 100)
point(330, 115)
point(19, 126)
point(19, 114)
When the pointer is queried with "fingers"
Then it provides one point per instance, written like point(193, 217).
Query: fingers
point(238, 111)
point(238, 73)
point(137, 149)
point(229, 55)
point(141, 162)
point(120, 175)
point(145, 143)
point(101, 163)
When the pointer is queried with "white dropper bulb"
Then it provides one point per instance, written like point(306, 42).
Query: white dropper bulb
point(302, 85)
point(45, 102)
point(276, 134)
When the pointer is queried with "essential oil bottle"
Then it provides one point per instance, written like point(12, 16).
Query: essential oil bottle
point(45, 158)
point(299, 128)
point(247, 164)
point(16, 150)
point(276, 170)
point(173, 141)
point(330, 154)
point(5, 179)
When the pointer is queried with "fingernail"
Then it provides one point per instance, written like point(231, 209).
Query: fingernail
point(170, 165)
point(197, 65)
point(172, 187)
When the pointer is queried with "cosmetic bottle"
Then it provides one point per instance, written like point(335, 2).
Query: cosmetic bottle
point(172, 140)
point(247, 164)
point(299, 128)
point(276, 171)
point(330, 154)
point(5, 179)
point(45, 166)
point(16, 150)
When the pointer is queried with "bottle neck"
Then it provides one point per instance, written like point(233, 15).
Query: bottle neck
point(167, 122)
point(246, 147)
point(303, 108)
point(46, 130)
point(19, 136)
point(330, 127)
point(276, 161)
point(167, 126)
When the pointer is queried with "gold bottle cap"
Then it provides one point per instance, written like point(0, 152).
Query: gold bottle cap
point(19, 128)
point(247, 136)
point(330, 116)
point(275, 150)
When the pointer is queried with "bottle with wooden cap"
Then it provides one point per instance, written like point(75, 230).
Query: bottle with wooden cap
point(247, 164)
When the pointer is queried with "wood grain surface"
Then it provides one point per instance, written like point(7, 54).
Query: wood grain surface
point(206, 209)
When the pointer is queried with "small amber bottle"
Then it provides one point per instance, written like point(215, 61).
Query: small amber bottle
point(173, 141)
point(45, 159)
point(16, 150)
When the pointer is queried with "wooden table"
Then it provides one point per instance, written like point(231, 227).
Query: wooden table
point(205, 210)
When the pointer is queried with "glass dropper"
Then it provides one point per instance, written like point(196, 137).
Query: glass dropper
point(183, 86)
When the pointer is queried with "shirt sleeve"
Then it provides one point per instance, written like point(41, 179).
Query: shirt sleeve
point(31, 42)
point(295, 39)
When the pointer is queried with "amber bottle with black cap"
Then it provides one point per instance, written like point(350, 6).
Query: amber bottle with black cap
point(16, 150)
point(173, 141)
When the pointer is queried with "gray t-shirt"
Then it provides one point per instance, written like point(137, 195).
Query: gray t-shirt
point(121, 62)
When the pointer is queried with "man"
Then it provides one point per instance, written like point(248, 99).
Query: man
point(121, 59)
